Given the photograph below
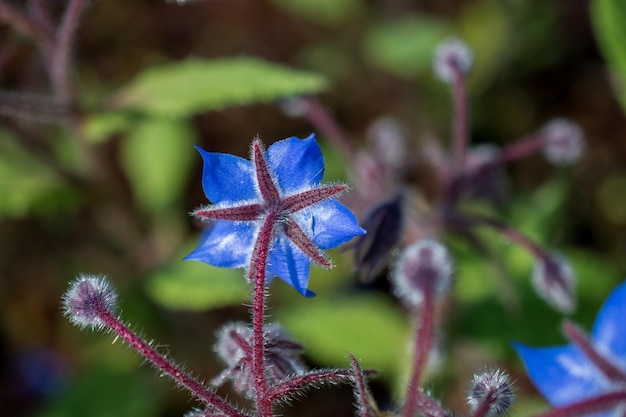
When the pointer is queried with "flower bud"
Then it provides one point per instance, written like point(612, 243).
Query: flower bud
point(424, 268)
point(87, 298)
point(554, 281)
point(452, 58)
point(564, 142)
point(492, 394)
point(387, 142)
point(384, 230)
point(234, 348)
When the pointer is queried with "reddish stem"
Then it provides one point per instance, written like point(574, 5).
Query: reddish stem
point(319, 117)
point(177, 374)
point(422, 345)
point(258, 266)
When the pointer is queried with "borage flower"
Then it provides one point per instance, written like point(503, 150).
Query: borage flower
point(272, 212)
point(589, 374)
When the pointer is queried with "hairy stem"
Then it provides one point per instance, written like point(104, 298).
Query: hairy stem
point(600, 403)
point(421, 349)
point(257, 271)
point(184, 379)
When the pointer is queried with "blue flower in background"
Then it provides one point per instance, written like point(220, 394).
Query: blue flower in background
point(273, 211)
point(587, 368)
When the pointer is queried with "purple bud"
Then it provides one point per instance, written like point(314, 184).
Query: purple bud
point(424, 269)
point(452, 58)
point(87, 298)
point(564, 142)
point(492, 394)
point(234, 348)
point(554, 281)
point(384, 230)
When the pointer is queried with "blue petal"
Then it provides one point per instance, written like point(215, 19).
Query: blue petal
point(227, 178)
point(225, 244)
point(608, 330)
point(330, 223)
point(289, 264)
point(562, 374)
point(297, 163)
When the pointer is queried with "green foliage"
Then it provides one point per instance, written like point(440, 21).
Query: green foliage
point(26, 185)
point(329, 12)
point(197, 286)
point(157, 156)
point(404, 47)
point(369, 326)
point(103, 392)
point(609, 23)
point(192, 86)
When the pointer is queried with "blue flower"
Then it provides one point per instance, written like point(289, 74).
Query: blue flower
point(587, 368)
point(272, 212)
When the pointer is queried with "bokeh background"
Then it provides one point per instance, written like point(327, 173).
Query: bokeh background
point(79, 197)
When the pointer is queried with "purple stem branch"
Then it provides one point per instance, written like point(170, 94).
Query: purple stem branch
point(322, 121)
point(184, 379)
point(24, 25)
point(422, 344)
point(60, 65)
point(514, 236)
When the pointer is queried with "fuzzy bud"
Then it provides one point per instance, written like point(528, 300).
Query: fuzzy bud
point(234, 348)
point(87, 298)
point(554, 281)
point(424, 268)
point(564, 142)
point(452, 58)
point(387, 141)
point(492, 394)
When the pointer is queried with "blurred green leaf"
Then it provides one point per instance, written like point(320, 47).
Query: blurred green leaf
point(196, 286)
point(157, 156)
point(194, 85)
point(369, 326)
point(330, 12)
point(26, 184)
point(404, 47)
point(609, 23)
point(102, 126)
point(103, 392)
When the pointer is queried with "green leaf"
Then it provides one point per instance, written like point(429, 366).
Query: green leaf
point(192, 86)
point(196, 286)
point(157, 157)
point(404, 47)
point(330, 12)
point(609, 23)
point(102, 392)
point(26, 184)
point(369, 326)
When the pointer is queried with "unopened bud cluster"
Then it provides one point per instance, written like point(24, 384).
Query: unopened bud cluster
point(234, 348)
point(492, 394)
point(564, 142)
point(88, 297)
point(553, 279)
point(452, 58)
point(424, 269)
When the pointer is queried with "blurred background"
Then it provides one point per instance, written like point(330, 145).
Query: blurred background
point(109, 191)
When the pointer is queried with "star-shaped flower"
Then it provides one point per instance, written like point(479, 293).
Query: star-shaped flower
point(272, 211)
point(587, 368)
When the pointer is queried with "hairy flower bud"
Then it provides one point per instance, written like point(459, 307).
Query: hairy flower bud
point(553, 279)
point(387, 141)
point(564, 141)
point(423, 268)
point(234, 348)
point(452, 58)
point(492, 394)
point(87, 298)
